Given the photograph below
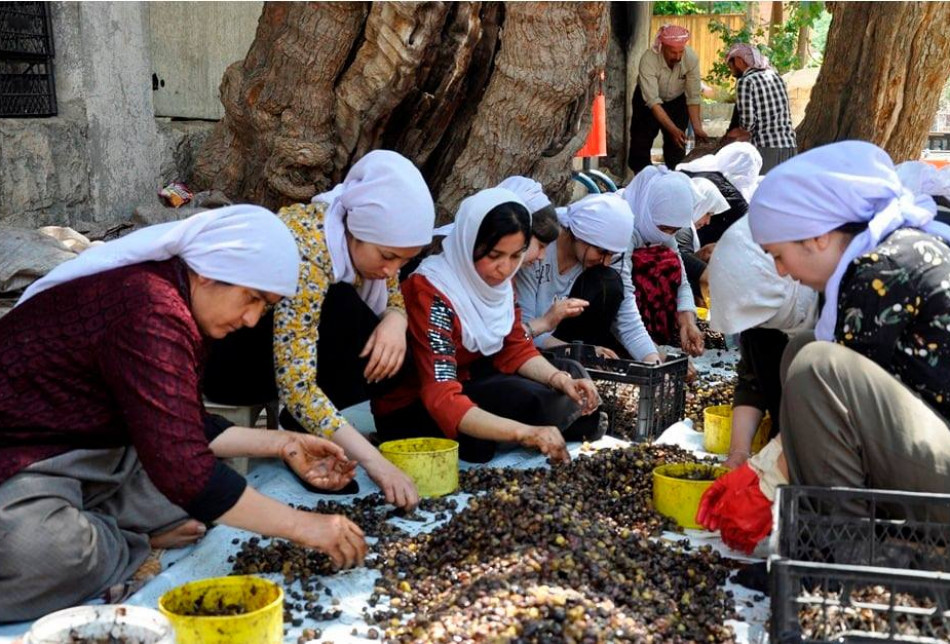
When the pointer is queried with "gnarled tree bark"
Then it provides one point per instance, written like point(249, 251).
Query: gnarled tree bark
point(884, 67)
point(470, 91)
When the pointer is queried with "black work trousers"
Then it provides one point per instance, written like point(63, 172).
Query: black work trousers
point(644, 128)
point(602, 287)
point(509, 396)
point(240, 367)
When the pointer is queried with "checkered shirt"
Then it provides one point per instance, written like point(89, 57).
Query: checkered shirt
point(762, 100)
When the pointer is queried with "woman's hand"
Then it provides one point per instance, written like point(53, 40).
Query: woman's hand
point(580, 390)
point(386, 347)
point(567, 308)
point(318, 461)
point(396, 485)
point(333, 534)
point(691, 338)
point(548, 441)
point(604, 352)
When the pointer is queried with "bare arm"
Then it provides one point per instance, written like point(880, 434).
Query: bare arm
point(334, 535)
point(745, 422)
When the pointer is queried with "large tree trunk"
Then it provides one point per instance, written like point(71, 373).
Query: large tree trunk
point(470, 91)
point(884, 67)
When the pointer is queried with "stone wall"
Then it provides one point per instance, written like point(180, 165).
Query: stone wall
point(105, 153)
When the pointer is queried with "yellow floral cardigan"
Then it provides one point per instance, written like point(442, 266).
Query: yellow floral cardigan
point(297, 321)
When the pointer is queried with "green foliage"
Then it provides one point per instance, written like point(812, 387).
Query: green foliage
point(690, 8)
point(781, 51)
point(675, 8)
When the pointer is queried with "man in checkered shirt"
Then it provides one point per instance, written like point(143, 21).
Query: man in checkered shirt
point(762, 105)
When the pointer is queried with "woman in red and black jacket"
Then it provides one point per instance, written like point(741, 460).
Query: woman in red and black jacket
point(478, 378)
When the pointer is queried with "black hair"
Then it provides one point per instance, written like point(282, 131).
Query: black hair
point(852, 227)
point(502, 220)
point(544, 225)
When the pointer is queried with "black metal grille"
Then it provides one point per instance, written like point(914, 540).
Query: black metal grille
point(27, 89)
point(27, 86)
point(25, 30)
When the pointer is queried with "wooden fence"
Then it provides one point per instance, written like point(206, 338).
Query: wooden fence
point(708, 46)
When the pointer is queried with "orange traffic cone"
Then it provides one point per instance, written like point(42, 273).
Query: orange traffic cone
point(596, 143)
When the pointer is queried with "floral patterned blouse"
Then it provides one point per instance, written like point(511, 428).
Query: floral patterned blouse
point(894, 308)
point(297, 321)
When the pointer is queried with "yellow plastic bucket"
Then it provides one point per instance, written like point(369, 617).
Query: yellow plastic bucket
point(677, 497)
point(717, 430)
point(702, 313)
point(433, 463)
point(262, 601)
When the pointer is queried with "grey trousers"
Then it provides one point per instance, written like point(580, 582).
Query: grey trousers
point(73, 525)
point(848, 422)
point(771, 157)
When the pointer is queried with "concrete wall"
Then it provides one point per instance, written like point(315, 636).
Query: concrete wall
point(106, 153)
point(191, 45)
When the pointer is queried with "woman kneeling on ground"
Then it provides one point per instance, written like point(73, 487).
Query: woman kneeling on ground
point(867, 405)
point(662, 203)
point(478, 378)
point(104, 443)
point(343, 336)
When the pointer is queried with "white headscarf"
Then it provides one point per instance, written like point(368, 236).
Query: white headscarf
point(604, 221)
point(658, 197)
point(746, 291)
point(924, 179)
point(707, 200)
point(739, 163)
point(827, 187)
point(486, 313)
point(385, 201)
point(528, 190)
point(243, 245)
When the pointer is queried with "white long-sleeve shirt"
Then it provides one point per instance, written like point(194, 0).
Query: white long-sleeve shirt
point(539, 284)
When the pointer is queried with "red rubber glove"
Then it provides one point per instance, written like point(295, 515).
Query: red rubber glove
point(736, 507)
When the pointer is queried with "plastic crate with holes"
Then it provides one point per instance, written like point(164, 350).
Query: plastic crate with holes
point(641, 400)
point(856, 565)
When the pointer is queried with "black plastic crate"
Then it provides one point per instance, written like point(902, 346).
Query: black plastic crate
point(27, 88)
point(821, 602)
point(657, 391)
point(864, 527)
point(25, 30)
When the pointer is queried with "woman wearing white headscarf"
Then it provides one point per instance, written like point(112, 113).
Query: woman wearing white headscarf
point(708, 204)
point(344, 333)
point(105, 447)
point(478, 379)
point(578, 271)
point(868, 404)
point(922, 178)
point(739, 163)
point(748, 296)
point(662, 203)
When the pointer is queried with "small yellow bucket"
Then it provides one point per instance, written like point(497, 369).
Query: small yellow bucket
point(677, 497)
point(262, 601)
point(702, 313)
point(432, 463)
point(717, 430)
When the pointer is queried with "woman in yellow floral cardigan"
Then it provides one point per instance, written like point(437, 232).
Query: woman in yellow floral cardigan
point(344, 333)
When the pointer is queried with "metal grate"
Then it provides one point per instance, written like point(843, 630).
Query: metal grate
point(27, 89)
point(25, 30)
